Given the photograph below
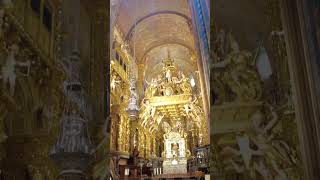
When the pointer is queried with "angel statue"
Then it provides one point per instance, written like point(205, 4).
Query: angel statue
point(9, 69)
point(239, 73)
point(152, 88)
point(149, 112)
point(114, 82)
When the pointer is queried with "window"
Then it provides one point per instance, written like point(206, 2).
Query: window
point(47, 18)
point(35, 5)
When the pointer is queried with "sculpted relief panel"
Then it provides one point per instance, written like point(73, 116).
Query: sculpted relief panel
point(254, 133)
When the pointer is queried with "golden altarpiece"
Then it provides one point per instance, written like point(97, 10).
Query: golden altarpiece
point(169, 102)
point(166, 123)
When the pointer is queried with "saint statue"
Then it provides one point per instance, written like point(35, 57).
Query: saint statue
point(168, 75)
point(175, 150)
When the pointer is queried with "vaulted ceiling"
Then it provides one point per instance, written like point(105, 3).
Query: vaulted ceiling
point(154, 28)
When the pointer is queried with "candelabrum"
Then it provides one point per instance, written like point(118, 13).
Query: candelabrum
point(133, 111)
point(133, 108)
point(73, 150)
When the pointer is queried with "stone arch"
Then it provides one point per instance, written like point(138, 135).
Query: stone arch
point(131, 30)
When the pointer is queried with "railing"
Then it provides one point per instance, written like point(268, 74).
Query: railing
point(201, 160)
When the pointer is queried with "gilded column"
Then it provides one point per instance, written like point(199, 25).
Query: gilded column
point(114, 132)
point(123, 133)
point(148, 145)
point(140, 79)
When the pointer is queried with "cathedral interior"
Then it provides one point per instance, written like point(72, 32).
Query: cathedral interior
point(159, 79)
point(159, 89)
